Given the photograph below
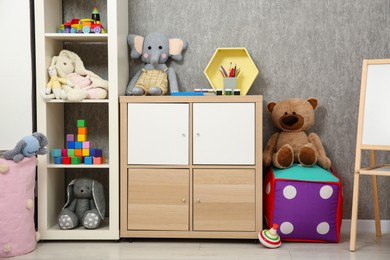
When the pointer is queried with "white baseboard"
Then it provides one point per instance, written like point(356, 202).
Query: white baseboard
point(365, 226)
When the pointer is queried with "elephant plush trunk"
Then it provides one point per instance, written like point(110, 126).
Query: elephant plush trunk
point(154, 59)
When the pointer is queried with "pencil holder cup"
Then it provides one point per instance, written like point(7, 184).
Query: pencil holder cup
point(230, 83)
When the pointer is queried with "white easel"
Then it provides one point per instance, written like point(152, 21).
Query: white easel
point(373, 133)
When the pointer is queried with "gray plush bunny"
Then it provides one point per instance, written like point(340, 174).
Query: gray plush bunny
point(85, 205)
point(29, 146)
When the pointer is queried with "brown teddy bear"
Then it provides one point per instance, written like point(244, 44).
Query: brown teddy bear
point(294, 117)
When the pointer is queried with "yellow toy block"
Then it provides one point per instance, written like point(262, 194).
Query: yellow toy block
point(81, 138)
point(85, 152)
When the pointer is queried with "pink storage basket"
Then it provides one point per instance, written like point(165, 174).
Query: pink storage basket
point(17, 230)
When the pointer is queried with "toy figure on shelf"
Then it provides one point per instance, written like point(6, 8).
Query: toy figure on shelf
point(85, 205)
point(269, 237)
point(154, 50)
point(85, 25)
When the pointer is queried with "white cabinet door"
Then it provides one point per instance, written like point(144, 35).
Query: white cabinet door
point(158, 133)
point(224, 133)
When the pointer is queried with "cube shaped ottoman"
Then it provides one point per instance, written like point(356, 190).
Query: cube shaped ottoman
point(306, 203)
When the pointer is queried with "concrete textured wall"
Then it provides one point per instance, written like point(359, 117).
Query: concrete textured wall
point(302, 48)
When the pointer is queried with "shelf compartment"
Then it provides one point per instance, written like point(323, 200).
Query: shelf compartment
point(235, 56)
point(78, 37)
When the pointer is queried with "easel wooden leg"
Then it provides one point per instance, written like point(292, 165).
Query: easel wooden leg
point(376, 206)
point(354, 215)
point(375, 196)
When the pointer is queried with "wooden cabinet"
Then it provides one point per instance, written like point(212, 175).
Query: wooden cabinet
point(53, 115)
point(158, 199)
point(224, 199)
point(200, 173)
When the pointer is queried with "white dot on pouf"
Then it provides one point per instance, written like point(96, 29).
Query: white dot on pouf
point(286, 228)
point(323, 228)
point(289, 192)
point(326, 192)
point(268, 188)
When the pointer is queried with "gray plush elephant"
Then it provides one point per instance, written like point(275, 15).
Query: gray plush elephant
point(154, 50)
point(85, 205)
point(28, 146)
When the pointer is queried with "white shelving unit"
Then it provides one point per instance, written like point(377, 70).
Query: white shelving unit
point(51, 114)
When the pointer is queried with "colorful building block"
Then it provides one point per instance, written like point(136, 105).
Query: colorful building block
point(55, 152)
point(70, 152)
point(78, 152)
point(85, 152)
point(81, 138)
point(88, 160)
point(71, 145)
point(75, 160)
point(82, 130)
point(70, 137)
point(64, 152)
point(86, 145)
point(306, 203)
point(58, 160)
point(66, 160)
point(78, 145)
point(81, 123)
point(98, 153)
point(98, 160)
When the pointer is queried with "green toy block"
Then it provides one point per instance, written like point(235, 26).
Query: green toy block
point(70, 152)
point(81, 123)
point(76, 160)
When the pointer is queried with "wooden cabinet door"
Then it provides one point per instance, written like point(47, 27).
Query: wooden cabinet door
point(158, 133)
point(158, 199)
point(224, 133)
point(224, 200)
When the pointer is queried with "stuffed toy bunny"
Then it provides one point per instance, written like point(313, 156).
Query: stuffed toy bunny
point(85, 205)
point(28, 146)
point(84, 83)
point(155, 76)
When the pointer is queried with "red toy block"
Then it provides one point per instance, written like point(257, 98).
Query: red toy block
point(66, 160)
point(64, 152)
point(98, 160)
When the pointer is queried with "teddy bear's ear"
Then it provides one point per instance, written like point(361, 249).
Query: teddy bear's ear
point(270, 106)
point(313, 102)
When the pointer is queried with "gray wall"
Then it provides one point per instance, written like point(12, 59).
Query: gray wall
point(303, 48)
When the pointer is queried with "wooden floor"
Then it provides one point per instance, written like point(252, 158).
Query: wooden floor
point(368, 247)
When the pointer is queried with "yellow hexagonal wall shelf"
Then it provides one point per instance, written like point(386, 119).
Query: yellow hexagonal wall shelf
point(230, 57)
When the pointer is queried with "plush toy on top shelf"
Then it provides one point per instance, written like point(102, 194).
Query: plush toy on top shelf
point(155, 76)
point(29, 146)
point(292, 144)
point(86, 84)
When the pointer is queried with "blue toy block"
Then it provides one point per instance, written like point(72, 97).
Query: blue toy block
point(98, 153)
point(71, 145)
point(88, 160)
point(58, 160)
point(55, 152)
point(78, 145)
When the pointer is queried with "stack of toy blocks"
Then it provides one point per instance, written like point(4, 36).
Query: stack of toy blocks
point(78, 150)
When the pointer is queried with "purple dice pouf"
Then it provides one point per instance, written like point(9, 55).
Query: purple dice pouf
point(306, 203)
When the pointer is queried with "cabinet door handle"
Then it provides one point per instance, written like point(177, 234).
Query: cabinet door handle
point(184, 200)
point(183, 134)
point(198, 200)
point(197, 134)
